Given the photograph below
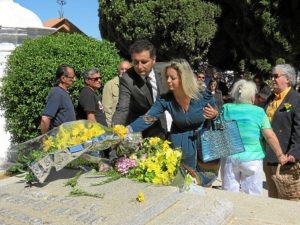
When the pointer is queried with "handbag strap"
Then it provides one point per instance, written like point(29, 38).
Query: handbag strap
point(191, 172)
point(278, 170)
point(218, 123)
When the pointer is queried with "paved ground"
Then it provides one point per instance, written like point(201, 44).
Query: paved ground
point(50, 203)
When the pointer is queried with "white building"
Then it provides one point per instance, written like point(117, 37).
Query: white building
point(16, 24)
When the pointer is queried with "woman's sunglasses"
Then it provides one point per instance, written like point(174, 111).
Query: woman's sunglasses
point(276, 75)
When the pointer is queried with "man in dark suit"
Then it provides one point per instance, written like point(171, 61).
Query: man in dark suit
point(139, 88)
point(283, 110)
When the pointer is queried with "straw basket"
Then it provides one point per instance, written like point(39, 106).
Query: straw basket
point(288, 183)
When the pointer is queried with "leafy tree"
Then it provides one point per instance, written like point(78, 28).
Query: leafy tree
point(31, 72)
point(257, 34)
point(182, 28)
point(248, 35)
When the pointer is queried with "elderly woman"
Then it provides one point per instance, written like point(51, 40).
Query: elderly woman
point(243, 171)
point(188, 109)
point(283, 111)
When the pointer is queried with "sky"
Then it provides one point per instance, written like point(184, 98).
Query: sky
point(82, 13)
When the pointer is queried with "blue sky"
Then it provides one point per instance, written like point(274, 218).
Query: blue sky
point(82, 13)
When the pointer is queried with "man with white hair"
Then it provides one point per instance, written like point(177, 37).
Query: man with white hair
point(283, 111)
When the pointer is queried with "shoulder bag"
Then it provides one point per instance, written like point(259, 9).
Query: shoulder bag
point(219, 140)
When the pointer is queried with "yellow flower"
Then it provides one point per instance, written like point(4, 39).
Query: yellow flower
point(156, 180)
point(76, 130)
point(287, 106)
point(161, 164)
point(48, 144)
point(154, 140)
point(172, 159)
point(153, 167)
point(80, 126)
point(89, 133)
point(166, 145)
point(68, 136)
point(178, 153)
point(171, 168)
point(140, 197)
point(165, 177)
point(74, 141)
point(95, 130)
point(120, 130)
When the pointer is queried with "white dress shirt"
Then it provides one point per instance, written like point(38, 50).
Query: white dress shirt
point(154, 91)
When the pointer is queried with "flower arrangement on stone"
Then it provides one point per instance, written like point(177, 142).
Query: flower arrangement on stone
point(62, 145)
point(150, 160)
point(157, 162)
point(153, 161)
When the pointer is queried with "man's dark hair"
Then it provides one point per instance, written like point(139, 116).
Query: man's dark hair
point(142, 45)
point(61, 71)
point(258, 76)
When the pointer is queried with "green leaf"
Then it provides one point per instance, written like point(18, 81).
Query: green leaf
point(76, 192)
point(73, 181)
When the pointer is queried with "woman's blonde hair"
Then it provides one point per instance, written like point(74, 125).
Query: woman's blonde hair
point(189, 83)
point(243, 91)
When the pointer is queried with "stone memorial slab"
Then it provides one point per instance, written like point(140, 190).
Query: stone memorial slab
point(50, 203)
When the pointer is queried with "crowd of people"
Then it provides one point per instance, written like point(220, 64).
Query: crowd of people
point(169, 101)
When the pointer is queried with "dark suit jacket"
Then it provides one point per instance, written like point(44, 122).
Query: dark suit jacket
point(135, 100)
point(286, 125)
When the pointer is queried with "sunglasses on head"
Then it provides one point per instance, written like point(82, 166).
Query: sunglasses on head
point(94, 79)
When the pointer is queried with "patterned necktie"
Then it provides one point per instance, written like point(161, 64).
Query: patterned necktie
point(148, 83)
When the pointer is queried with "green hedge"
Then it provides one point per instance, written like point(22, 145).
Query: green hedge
point(31, 70)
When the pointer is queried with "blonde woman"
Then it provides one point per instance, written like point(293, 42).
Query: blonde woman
point(188, 109)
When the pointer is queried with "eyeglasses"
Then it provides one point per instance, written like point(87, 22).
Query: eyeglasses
point(94, 79)
point(276, 75)
point(201, 77)
point(72, 78)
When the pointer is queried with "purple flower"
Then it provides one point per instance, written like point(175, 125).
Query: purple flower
point(123, 165)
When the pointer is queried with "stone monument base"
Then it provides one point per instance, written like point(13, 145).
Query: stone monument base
point(50, 204)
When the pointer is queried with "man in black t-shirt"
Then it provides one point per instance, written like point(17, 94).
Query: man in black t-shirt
point(90, 106)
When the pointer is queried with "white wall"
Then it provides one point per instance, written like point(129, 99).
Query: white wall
point(10, 38)
point(5, 51)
